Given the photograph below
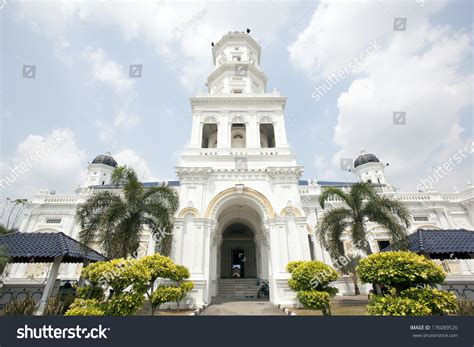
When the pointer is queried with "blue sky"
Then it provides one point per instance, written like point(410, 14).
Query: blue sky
point(82, 52)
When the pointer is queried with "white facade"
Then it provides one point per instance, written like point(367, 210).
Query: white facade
point(240, 188)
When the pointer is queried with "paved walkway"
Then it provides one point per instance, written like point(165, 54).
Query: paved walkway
point(241, 307)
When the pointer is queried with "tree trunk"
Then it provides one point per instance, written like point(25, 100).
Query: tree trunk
point(356, 286)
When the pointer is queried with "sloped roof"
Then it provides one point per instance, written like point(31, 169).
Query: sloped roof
point(439, 241)
point(44, 247)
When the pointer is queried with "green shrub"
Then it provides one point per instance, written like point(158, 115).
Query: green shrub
point(465, 307)
point(21, 307)
point(438, 301)
point(117, 273)
point(181, 272)
point(293, 265)
point(123, 304)
point(396, 306)
point(164, 294)
point(58, 305)
point(90, 292)
point(314, 300)
point(85, 307)
point(186, 286)
point(311, 275)
point(400, 270)
point(159, 266)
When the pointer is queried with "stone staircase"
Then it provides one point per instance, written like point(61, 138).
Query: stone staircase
point(238, 288)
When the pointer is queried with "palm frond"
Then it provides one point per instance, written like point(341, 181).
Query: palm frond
point(329, 232)
point(334, 192)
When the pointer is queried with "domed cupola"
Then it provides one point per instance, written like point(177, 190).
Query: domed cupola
point(99, 171)
point(365, 158)
point(368, 168)
point(105, 159)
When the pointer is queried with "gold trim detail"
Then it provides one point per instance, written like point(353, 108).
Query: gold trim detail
point(187, 210)
point(290, 210)
point(249, 192)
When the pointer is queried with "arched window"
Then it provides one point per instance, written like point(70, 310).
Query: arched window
point(267, 136)
point(209, 135)
point(238, 135)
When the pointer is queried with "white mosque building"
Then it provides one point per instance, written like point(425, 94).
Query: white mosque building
point(244, 209)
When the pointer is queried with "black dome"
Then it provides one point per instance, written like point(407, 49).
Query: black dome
point(105, 159)
point(365, 158)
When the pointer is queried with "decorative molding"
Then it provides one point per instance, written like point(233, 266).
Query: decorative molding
point(249, 193)
point(187, 210)
point(290, 210)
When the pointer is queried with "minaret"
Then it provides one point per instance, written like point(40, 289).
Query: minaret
point(99, 171)
point(237, 120)
point(368, 168)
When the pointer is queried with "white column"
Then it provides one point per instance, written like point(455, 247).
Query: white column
point(223, 132)
point(48, 289)
point(253, 140)
point(196, 131)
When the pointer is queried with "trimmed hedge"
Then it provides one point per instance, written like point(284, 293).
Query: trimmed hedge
point(311, 275)
point(400, 270)
point(310, 279)
point(396, 306)
point(313, 299)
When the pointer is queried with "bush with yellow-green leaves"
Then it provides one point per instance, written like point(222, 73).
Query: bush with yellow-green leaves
point(410, 279)
point(399, 270)
point(311, 279)
point(168, 293)
point(129, 281)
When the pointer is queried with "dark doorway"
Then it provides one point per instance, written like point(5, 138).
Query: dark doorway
point(238, 263)
point(238, 254)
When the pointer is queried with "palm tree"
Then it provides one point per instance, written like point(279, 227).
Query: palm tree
point(116, 220)
point(362, 205)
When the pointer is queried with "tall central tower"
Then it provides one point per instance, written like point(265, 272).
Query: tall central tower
point(240, 209)
point(237, 124)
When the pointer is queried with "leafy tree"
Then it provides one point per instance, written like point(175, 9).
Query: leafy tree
point(399, 270)
point(362, 205)
point(410, 279)
point(163, 267)
point(311, 279)
point(116, 220)
point(129, 281)
point(14, 208)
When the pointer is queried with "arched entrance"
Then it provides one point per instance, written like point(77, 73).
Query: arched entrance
point(240, 245)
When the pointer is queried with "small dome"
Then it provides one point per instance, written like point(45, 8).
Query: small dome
point(105, 159)
point(365, 158)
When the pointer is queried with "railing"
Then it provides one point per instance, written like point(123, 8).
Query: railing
point(58, 199)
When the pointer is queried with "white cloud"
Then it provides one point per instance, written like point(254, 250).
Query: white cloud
point(156, 24)
point(342, 30)
point(416, 71)
point(107, 71)
point(127, 120)
point(53, 161)
point(139, 163)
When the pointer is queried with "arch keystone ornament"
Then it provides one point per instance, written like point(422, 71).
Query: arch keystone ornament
point(290, 210)
point(185, 211)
